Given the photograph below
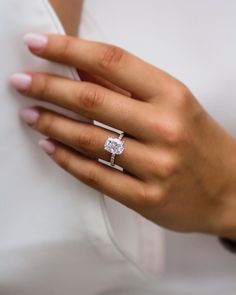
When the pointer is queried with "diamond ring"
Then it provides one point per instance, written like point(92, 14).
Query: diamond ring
point(115, 146)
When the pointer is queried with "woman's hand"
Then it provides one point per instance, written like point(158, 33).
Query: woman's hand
point(179, 164)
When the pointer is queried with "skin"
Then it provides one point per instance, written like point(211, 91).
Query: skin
point(179, 163)
point(69, 12)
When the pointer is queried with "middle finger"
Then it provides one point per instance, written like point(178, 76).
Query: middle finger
point(89, 100)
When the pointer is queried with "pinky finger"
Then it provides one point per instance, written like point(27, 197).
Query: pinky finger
point(114, 183)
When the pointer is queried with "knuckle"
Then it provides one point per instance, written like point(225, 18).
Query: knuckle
point(155, 164)
point(151, 197)
point(176, 134)
point(65, 48)
point(85, 141)
point(171, 130)
point(181, 95)
point(143, 197)
point(165, 165)
point(111, 56)
point(170, 168)
point(44, 87)
point(46, 123)
point(64, 159)
point(90, 98)
point(92, 177)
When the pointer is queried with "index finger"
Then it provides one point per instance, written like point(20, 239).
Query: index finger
point(107, 61)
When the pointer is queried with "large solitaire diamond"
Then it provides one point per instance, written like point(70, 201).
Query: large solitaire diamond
point(114, 145)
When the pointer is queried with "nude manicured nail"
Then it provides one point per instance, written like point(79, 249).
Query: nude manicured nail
point(30, 115)
point(35, 41)
point(21, 81)
point(47, 146)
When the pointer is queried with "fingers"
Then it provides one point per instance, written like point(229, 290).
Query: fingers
point(85, 137)
point(87, 99)
point(107, 180)
point(107, 61)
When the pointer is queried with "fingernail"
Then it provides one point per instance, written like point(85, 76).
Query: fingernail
point(47, 146)
point(30, 115)
point(21, 81)
point(35, 41)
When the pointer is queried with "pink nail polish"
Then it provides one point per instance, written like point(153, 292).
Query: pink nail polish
point(21, 81)
point(30, 115)
point(35, 41)
point(47, 146)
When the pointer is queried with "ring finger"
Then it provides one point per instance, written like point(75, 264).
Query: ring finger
point(85, 137)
